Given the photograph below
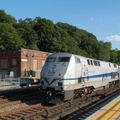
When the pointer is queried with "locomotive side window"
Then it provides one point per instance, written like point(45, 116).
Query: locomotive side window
point(63, 59)
point(115, 65)
point(91, 62)
point(98, 63)
point(113, 75)
point(88, 62)
point(109, 65)
point(95, 63)
point(51, 59)
point(77, 60)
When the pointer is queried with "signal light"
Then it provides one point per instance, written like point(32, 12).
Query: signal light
point(59, 74)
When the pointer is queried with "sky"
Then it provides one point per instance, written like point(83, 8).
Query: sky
point(99, 17)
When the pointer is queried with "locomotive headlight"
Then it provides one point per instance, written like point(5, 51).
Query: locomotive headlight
point(59, 83)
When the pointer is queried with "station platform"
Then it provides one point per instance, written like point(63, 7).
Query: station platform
point(111, 111)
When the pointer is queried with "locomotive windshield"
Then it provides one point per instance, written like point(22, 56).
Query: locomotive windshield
point(59, 59)
point(51, 59)
point(63, 59)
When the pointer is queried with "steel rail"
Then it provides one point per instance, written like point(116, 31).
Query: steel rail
point(93, 105)
point(68, 107)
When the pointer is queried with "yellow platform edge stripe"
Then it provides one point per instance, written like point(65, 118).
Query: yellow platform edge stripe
point(110, 112)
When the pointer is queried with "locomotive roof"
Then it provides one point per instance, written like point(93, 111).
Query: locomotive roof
point(60, 54)
point(70, 54)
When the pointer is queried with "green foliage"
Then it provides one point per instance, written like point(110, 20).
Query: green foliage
point(45, 30)
point(104, 50)
point(9, 38)
point(4, 18)
point(42, 34)
point(86, 43)
point(115, 56)
point(118, 57)
point(27, 33)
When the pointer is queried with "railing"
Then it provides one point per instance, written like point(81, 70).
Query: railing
point(11, 83)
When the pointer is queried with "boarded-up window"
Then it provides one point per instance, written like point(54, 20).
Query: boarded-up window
point(34, 64)
point(4, 63)
point(14, 62)
point(43, 62)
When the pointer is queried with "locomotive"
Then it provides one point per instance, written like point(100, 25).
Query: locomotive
point(66, 76)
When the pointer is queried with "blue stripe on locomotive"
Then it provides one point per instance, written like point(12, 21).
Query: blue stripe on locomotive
point(88, 77)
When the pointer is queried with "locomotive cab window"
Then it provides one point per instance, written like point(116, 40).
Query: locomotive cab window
point(77, 60)
point(51, 59)
point(63, 59)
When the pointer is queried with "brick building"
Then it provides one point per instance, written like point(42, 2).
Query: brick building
point(21, 62)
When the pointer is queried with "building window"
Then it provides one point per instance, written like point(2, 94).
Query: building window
point(43, 62)
point(4, 63)
point(14, 62)
point(34, 64)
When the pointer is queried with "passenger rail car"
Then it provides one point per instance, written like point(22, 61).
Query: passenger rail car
point(65, 76)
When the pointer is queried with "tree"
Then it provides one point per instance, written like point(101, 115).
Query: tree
point(4, 18)
point(104, 50)
point(27, 33)
point(43, 34)
point(9, 38)
point(45, 30)
point(113, 56)
point(118, 57)
point(52, 38)
point(87, 44)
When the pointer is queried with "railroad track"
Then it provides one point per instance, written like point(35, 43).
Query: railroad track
point(90, 109)
point(19, 99)
point(59, 111)
point(15, 99)
point(16, 92)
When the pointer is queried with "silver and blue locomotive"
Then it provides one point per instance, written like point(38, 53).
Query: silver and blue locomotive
point(65, 76)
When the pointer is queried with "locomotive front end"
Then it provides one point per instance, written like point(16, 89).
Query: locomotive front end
point(52, 77)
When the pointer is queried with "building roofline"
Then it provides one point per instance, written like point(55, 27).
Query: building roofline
point(11, 50)
point(34, 50)
point(23, 49)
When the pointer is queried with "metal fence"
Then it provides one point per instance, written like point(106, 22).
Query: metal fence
point(11, 83)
